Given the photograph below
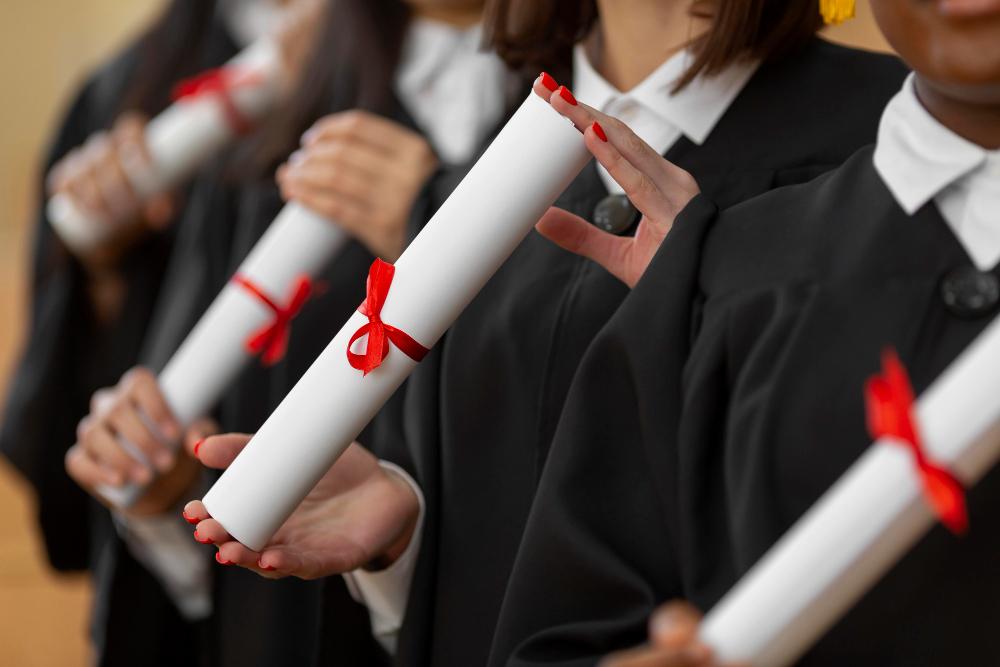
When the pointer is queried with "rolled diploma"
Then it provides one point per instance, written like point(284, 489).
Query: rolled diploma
point(532, 160)
point(865, 523)
point(180, 139)
point(298, 242)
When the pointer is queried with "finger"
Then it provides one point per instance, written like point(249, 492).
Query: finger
point(573, 233)
point(142, 386)
point(359, 158)
point(219, 451)
point(341, 211)
point(87, 472)
point(101, 400)
point(125, 420)
point(158, 211)
point(102, 446)
point(674, 625)
point(234, 553)
point(338, 180)
point(211, 531)
point(129, 133)
point(544, 86)
point(377, 132)
point(115, 187)
point(197, 433)
point(668, 178)
point(581, 115)
point(195, 511)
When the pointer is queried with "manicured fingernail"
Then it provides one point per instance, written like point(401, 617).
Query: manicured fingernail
point(566, 95)
point(599, 131)
point(203, 540)
point(269, 568)
point(197, 446)
point(548, 81)
point(191, 520)
point(220, 560)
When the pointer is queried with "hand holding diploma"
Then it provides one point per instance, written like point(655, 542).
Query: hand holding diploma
point(363, 171)
point(357, 514)
point(117, 427)
point(673, 642)
point(657, 188)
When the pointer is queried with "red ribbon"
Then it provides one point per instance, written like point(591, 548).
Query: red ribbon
point(271, 341)
point(219, 82)
point(889, 400)
point(379, 333)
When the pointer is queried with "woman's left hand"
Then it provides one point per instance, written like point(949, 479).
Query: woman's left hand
point(658, 189)
point(364, 173)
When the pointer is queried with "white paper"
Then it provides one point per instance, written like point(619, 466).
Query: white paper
point(864, 524)
point(298, 242)
point(521, 174)
point(182, 138)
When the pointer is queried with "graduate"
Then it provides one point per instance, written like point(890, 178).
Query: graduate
point(730, 380)
point(740, 93)
point(405, 122)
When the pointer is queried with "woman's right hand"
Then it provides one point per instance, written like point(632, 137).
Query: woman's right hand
point(655, 186)
point(95, 177)
point(135, 411)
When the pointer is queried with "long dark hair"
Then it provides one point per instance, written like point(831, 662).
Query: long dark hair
point(533, 35)
point(171, 49)
point(352, 65)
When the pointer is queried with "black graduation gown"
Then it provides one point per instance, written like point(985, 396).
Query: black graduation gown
point(482, 410)
point(736, 369)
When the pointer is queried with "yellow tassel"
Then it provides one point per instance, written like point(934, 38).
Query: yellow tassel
point(836, 11)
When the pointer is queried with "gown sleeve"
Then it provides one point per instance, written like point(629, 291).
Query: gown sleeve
point(598, 554)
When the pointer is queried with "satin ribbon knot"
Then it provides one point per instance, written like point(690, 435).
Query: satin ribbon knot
point(271, 340)
point(379, 333)
point(889, 401)
point(220, 82)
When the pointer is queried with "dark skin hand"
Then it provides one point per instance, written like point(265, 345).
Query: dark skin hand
point(954, 47)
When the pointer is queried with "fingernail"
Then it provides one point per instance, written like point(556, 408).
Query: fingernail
point(220, 560)
point(308, 135)
point(663, 623)
point(203, 540)
point(296, 158)
point(548, 81)
point(197, 446)
point(566, 95)
point(191, 520)
point(599, 131)
point(269, 568)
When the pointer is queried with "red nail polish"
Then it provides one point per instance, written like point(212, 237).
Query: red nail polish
point(548, 81)
point(190, 519)
point(199, 538)
point(268, 568)
point(197, 446)
point(220, 560)
point(599, 131)
point(566, 95)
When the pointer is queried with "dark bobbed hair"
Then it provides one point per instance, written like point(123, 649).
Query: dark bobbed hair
point(352, 65)
point(533, 35)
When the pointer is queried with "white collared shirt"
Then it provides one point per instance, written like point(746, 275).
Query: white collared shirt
point(655, 113)
point(455, 91)
point(921, 160)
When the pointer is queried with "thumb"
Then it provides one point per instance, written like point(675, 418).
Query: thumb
point(219, 451)
point(573, 233)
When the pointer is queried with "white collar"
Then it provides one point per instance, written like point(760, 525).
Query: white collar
point(250, 20)
point(694, 110)
point(917, 156)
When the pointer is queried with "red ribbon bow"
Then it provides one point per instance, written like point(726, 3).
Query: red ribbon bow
point(889, 400)
point(271, 341)
point(219, 81)
point(379, 333)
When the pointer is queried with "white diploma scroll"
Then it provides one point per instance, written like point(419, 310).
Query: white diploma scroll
point(298, 243)
point(864, 524)
point(182, 138)
point(532, 160)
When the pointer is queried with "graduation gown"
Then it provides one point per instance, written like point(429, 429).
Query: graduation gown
point(736, 369)
point(482, 410)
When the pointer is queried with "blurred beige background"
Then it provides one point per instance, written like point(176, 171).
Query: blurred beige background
point(46, 47)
